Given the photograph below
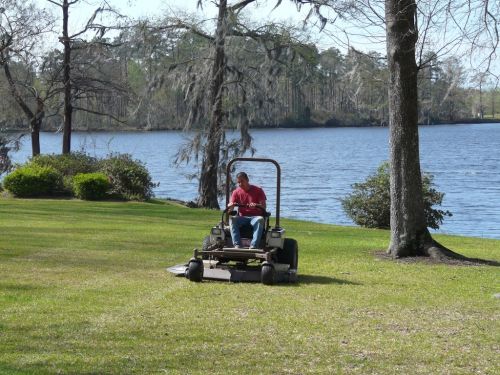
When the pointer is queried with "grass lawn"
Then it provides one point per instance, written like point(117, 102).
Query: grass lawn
point(83, 290)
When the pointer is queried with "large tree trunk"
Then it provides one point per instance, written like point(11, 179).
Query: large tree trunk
point(207, 188)
point(408, 224)
point(409, 233)
point(68, 109)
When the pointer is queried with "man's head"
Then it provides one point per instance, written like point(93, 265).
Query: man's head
point(242, 181)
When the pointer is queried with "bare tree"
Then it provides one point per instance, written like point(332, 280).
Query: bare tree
point(70, 42)
point(22, 27)
point(474, 23)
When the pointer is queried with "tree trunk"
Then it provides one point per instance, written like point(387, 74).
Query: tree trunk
point(36, 124)
point(493, 103)
point(35, 136)
point(68, 109)
point(409, 232)
point(35, 119)
point(207, 188)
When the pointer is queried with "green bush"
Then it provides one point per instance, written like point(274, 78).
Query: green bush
point(129, 178)
point(68, 165)
point(33, 181)
point(91, 186)
point(369, 203)
point(126, 178)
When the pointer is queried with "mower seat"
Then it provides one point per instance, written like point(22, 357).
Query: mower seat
point(246, 231)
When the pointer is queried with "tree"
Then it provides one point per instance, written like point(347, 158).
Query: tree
point(480, 79)
point(210, 163)
point(71, 42)
point(409, 233)
point(22, 26)
point(451, 100)
point(251, 82)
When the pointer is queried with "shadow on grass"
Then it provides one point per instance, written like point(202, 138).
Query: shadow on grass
point(323, 280)
point(454, 259)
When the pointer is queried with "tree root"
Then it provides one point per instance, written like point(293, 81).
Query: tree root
point(440, 253)
point(425, 247)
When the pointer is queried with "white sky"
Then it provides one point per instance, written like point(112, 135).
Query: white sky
point(261, 10)
point(155, 7)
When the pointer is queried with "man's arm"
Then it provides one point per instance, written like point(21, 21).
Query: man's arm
point(233, 201)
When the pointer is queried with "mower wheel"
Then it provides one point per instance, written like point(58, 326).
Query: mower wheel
point(290, 253)
point(195, 270)
point(268, 274)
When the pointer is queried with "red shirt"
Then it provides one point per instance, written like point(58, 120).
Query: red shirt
point(254, 195)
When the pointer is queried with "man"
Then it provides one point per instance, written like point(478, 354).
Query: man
point(252, 200)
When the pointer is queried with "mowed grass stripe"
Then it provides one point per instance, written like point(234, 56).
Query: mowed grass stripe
point(83, 290)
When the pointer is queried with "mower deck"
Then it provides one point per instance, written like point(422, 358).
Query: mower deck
point(235, 253)
point(213, 270)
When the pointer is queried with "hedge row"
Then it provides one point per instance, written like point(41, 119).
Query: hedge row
point(118, 176)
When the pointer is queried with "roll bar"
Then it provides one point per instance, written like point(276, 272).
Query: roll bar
point(278, 181)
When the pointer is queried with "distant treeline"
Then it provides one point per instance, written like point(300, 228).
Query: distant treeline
point(153, 73)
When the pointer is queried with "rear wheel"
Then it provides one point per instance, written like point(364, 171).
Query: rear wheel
point(268, 274)
point(290, 253)
point(195, 270)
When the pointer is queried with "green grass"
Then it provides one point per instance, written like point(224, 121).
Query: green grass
point(83, 290)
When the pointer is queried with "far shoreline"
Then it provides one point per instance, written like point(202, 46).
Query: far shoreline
point(286, 126)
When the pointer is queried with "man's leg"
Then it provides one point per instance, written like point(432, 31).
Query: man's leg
point(235, 222)
point(258, 227)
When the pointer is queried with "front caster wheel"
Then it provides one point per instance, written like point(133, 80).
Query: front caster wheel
point(194, 271)
point(268, 274)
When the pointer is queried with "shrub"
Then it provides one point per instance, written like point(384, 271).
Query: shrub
point(68, 165)
point(369, 203)
point(90, 186)
point(33, 181)
point(129, 178)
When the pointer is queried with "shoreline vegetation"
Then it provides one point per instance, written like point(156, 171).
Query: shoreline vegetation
point(86, 289)
point(286, 125)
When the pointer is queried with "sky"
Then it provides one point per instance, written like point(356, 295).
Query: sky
point(153, 7)
point(340, 35)
point(261, 10)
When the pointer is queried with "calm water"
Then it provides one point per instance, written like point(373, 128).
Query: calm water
point(319, 166)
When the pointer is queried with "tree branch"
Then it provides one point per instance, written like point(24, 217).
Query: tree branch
point(99, 114)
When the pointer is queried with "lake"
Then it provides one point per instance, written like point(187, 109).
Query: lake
point(319, 165)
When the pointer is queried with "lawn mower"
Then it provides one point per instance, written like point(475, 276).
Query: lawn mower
point(274, 260)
